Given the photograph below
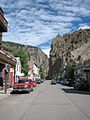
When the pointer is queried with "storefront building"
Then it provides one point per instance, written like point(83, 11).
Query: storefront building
point(5, 58)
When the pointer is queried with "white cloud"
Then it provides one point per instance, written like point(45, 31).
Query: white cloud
point(84, 26)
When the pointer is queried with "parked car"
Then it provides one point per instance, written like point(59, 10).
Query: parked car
point(58, 81)
point(34, 83)
point(81, 84)
point(53, 82)
point(38, 81)
point(62, 81)
point(23, 85)
point(68, 82)
point(42, 80)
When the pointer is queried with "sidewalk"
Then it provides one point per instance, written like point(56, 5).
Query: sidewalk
point(3, 95)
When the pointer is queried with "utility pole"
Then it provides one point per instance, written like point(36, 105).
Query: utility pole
point(6, 76)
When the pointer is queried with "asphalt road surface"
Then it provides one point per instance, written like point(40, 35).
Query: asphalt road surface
point(47, 102)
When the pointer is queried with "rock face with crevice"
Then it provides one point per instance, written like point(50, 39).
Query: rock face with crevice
point(55, 61)
point(62, 47)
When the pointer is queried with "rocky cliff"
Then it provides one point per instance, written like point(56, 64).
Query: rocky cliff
point(62, 47)
point(34, 53)
point(55, 60)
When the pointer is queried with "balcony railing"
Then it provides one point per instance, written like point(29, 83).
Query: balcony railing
point(3, 22)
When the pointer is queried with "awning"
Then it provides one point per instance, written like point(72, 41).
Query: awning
point(5, 58)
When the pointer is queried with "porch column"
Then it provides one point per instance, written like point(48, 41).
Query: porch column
point(6, 79)
point(14, 75)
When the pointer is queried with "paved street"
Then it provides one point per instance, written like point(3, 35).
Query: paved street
point(46, 102)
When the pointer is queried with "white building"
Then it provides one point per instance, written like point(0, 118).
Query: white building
point(18, 68)
point(36, 71)
point(33, 70)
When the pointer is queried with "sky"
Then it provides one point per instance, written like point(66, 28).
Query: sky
point(37, 22)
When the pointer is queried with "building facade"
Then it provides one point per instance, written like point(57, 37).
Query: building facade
point(33, 71)
point(82, 72)
point(18, 68)
point(5, 58)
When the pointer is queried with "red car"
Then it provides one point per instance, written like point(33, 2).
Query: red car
point(24, 85)
point(33, 82)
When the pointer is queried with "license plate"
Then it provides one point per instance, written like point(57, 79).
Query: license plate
point(19, 90)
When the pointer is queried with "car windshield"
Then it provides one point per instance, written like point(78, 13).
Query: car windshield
point(23, 81)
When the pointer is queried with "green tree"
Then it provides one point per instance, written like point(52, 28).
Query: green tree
point(42, 73)
point(69, 71)
point(23, 58)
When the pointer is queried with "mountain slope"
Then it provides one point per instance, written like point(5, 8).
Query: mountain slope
point(34, 53)
point(62, 47)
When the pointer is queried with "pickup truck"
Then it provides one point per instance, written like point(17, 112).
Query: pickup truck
point(24, 85)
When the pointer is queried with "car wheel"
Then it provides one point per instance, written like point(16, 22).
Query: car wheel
point(32, 89)
point(28, 91)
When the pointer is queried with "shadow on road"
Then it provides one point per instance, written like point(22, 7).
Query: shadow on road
point(18, 92)
point(71, 90)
